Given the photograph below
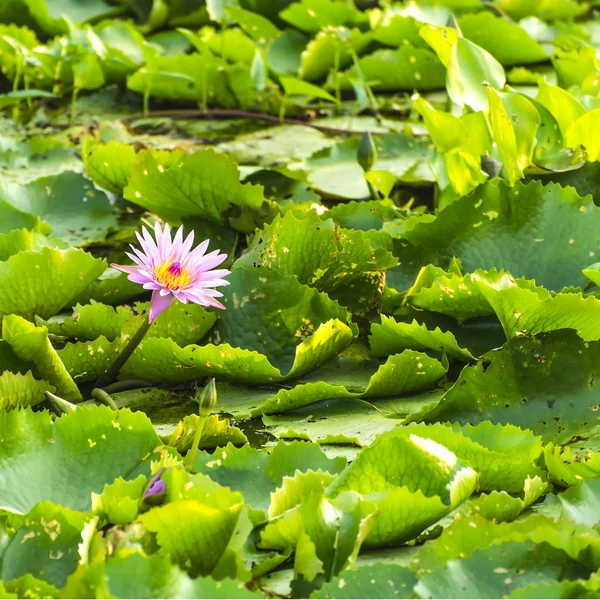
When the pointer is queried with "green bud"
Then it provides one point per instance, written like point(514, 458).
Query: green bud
point(64, 406)
point(366, 153)
point(207, 398)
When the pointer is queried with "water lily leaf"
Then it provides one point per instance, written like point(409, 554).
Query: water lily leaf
point(119, 501)
point(112, 287)
point(162, 360)
point(340, 262)
point(287, 311)
point(30, 343)
point(86, 361)
point(501, 506)
point(331, 48)
point(454, 295)
point(545, 382)
point(42, 283)
point(193, 77)
point(503, 456)
point(22, 240)
point(549, 238)
point(183, 323)
point(109, 165)
point(377, 580)
point(460, 540)
point(390, 337)
point(76, 211)
point(564, 107)
point(284, 54)
point(28, 585)
point(523, 308)
point(325, 533)
point(568, 466)
point(345, 421)
point(496, 571)
point(507, 42)
point(563, 9)
point(468, 68)
point(394, 30)
point(580, 503)
point(407, 68)
point(135, 574)
point(579, 134)
point(364, 216)
point(12, 219)
point(240, 469)
point(276, 146)
point(336, 172)
point(192, 186)
point(313, 15)
point(19, 390)
point(296, 87)
point(200, 534)
point(45, 545)
point(514, 121)
point(65, 460)
point(88, 322)
point(404, 373)
point(413, 481)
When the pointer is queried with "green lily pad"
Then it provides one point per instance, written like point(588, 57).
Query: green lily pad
point(549, 238)
point(42, 283)
point(412, 481)
point(77, 212)
point(65, 460)
point(30, 343)
point(18, 390)
point(545, 383)
point(191, 186)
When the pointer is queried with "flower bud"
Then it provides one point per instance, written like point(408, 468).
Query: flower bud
point(156, 491)
point(366, 153)
point(207, 398)
point(64, 406)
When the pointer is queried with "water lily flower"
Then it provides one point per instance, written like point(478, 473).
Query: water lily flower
point(172, 270)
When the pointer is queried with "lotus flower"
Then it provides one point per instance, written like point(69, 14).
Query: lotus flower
point(172, 270)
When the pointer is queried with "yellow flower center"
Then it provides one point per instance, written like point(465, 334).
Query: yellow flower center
point(172, 275)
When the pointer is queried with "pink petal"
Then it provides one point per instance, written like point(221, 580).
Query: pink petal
point(211, 260)
point(124, 268)
point(180, 296)
point(199, 251)
point(215, 303)
point(187, 245)
point(158, 304)
point(175, 251)
point(210, 283)
point(139, 277)
point(136, 259)
point(151, 245)
point(164, 245)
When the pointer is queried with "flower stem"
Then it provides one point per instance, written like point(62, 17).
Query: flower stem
point(207, 399)
point(126, 384)
point(191, 455)
point(103, 397)
point(115, 367)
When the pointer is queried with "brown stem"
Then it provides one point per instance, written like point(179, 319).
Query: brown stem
point(225, 112)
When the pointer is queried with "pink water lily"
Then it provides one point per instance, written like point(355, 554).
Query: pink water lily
point(172, 270)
